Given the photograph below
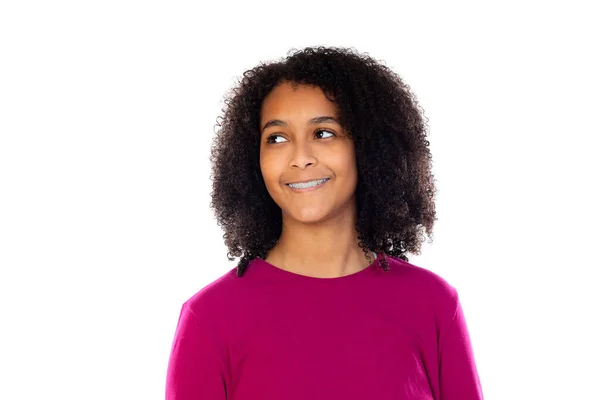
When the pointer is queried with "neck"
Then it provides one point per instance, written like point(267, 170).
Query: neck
point(327, 249)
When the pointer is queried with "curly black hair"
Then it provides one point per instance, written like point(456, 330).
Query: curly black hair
point(395, 189)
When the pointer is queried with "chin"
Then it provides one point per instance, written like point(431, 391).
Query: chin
point(308, 216)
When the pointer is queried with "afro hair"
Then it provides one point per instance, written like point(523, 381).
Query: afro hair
point(395, 189)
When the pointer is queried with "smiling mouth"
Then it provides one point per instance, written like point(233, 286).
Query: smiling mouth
point(307, 185)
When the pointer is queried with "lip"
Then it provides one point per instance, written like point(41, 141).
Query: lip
point(307, 180)
point(309, 189)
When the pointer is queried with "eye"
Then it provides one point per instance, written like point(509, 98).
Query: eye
point(322, 134)
point(273, 139)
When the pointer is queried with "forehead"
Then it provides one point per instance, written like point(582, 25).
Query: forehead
point(296, 101)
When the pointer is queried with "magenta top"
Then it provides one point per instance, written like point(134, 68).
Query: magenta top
point(273, 335)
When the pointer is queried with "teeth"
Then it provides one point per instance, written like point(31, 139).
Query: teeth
point(305, 185)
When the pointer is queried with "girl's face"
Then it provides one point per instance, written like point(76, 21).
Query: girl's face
point(307, 160)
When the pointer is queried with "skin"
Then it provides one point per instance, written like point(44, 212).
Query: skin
point(318, 236)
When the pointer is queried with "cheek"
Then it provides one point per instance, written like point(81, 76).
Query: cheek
point(347, 166)
point(346, 162)
point(268, 169)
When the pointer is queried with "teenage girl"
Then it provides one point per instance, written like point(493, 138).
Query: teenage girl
point(322, 183)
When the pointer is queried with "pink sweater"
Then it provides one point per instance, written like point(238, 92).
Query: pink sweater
point(276, 335)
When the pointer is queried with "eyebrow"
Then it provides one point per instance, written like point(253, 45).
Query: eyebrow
point(312, 121)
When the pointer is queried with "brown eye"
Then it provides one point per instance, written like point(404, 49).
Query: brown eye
point(320, 132)
point(273, 139)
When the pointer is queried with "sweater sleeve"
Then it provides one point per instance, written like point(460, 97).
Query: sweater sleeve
point(458, 373)
point(195, 369)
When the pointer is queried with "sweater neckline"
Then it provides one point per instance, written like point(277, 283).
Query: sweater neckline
point(293, 275)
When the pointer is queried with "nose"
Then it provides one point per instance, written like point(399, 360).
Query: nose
point(302, 156)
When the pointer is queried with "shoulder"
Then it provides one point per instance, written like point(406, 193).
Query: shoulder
point(215, 288)
point(422, 283)
point(215, 297)
point(432, 296)
point(228, 291)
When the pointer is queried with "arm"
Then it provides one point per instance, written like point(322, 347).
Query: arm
point(195, 370)
point(458, 373)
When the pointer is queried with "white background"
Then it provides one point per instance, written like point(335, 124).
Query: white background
point(107, 112)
